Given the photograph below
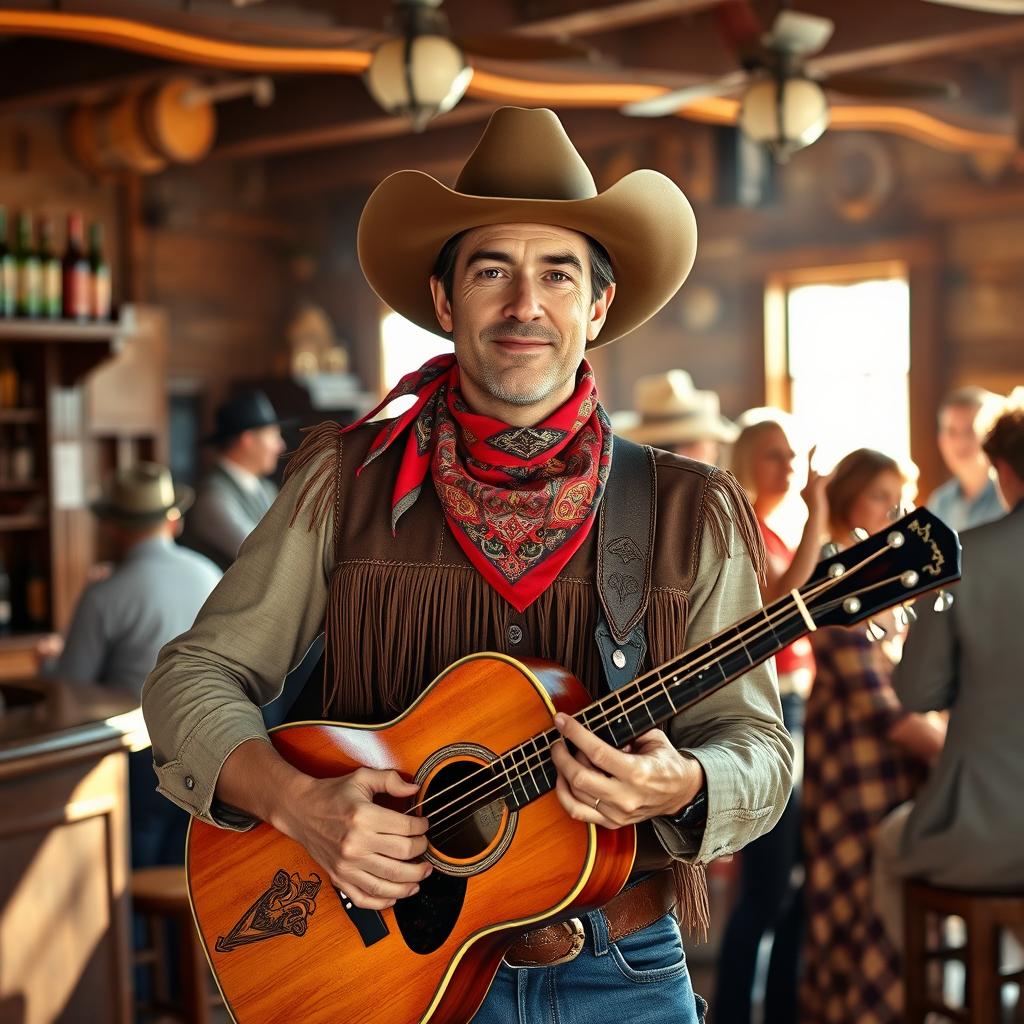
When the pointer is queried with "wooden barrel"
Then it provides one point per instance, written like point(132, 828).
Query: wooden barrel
point(181, 132)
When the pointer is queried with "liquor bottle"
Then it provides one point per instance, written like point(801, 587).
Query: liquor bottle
point(23, 458)
point(8, 272)
point(30, 279)
point(51, 271)
point(99, 270)
point(37, 597)
point(9, 384)
point(5, 599)
point(76, 272)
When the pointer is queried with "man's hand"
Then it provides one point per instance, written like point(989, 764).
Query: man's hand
point(611, 787)
point(370, 851)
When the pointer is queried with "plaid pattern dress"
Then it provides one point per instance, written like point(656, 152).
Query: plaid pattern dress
point(853, 777)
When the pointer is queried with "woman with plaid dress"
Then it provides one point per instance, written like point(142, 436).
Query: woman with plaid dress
point(864, 755)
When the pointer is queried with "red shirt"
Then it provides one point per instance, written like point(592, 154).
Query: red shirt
point(798, 655)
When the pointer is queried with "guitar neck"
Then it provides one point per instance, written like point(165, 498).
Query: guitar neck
point(631, 710)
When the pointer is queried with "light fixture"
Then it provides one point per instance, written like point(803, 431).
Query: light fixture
point(419, 73)
point(784, 113)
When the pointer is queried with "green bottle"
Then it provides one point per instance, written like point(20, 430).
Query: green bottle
point(30, 277)
point(52, 272)
point(8, 272)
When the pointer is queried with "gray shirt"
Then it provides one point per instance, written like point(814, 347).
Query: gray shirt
point(225, 513)
point(953, 507)
point(121, 622)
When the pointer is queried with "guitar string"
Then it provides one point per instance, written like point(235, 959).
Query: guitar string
point(782, 613)
point(456, 819)
point(640, 698)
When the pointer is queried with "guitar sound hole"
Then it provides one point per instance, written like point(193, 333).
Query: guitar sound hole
point(466, 808)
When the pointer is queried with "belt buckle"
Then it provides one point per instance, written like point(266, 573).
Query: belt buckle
point(579, 939)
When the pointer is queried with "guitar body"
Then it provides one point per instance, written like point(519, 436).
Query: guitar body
point(284, 945)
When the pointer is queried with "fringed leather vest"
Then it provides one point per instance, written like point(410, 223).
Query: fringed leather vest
point(402, 608)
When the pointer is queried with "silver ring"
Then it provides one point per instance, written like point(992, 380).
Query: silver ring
point(596, 802)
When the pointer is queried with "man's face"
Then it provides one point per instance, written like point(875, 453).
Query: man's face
point(520, 314)
point(959, 442)
point(264, 447)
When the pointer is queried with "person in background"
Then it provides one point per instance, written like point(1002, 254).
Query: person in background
point(966, 827)
point(864, 754)
point(670, 413)
point(234, 496)
point(770, 900)
point(969, 498)
point(120, 623)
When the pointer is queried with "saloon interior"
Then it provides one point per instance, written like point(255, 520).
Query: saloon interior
point(181, 183)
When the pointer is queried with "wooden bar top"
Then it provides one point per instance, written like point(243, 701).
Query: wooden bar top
point(43, 720)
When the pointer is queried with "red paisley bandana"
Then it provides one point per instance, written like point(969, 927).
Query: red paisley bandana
point(519, 500)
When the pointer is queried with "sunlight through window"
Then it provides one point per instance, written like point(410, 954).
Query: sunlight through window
point(404, 347)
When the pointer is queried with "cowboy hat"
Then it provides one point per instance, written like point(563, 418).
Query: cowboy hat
point(143, 494)
point(248, 410)
point(672, 411)
point(525, 170)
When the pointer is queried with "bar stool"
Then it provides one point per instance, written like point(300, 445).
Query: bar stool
point(159, 895)
point(984, 914)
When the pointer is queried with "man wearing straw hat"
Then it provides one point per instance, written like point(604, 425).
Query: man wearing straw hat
point(121, 622)
point(466, 524)
point(670, 413)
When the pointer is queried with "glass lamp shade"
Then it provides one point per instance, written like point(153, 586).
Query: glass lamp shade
point(418, 77)
point(784, 121)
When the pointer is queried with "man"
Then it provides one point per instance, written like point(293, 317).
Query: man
point(121, 622)
point(234, 495)
point(969, 498)
point(465, 525)
point(966, 827)
point(675, 416)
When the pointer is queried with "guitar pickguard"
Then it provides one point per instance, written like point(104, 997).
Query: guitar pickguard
point(427, 919)
point(281, 909)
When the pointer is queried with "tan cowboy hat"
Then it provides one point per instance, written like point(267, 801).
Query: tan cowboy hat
point(672, 411)
point(525, 170)
point(143, 494)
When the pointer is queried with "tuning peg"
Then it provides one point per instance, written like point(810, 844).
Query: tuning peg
point(943, 601)
point(874, 632)
point(859, 533)
point(905, 615)
point(829, 550)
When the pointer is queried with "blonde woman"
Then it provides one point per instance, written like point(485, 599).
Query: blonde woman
point(769, 901)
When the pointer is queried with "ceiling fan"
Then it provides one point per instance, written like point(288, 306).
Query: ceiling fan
point(989, 6)
point(783, 106)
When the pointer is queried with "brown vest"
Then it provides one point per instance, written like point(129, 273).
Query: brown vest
point(402, 608)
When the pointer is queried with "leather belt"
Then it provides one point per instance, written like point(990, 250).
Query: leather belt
point(631, 911)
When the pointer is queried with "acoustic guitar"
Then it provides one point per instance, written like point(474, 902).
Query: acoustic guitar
point(285, 945)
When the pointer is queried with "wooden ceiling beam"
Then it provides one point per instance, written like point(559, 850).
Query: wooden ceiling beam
point(613, 17)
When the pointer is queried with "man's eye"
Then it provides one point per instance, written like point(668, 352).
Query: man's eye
point(491, 273)
point(558, 276)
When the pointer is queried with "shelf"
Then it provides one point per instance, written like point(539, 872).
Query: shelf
point(20, 415)
point(21, 329)
point(24, 522)
point(21, 485)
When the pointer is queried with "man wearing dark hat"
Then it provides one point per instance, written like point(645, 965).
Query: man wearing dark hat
point(121, 622)
point(234, 496)
point(471, 523)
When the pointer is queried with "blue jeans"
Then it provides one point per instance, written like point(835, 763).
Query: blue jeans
point(642, 977)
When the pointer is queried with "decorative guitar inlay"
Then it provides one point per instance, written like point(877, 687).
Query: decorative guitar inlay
point(282, 908)
point(925, 533)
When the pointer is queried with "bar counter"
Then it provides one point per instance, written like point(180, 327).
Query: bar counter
point(64, 865)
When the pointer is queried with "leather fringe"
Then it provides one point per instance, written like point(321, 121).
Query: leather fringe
point(320, 493)
point(693, 908)
point(730, 502)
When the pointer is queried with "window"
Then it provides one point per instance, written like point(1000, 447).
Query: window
point(842, 367)
point(404, 347)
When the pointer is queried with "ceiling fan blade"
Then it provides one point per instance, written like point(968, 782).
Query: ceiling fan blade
point(670, 102)
point(877, 86)
point(513, 47)
point(798, 33)
point(989, 6)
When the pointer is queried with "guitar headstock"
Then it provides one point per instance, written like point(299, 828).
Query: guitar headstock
point(916, 554)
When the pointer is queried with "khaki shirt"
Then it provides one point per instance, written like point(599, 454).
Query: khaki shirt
point(202, 700)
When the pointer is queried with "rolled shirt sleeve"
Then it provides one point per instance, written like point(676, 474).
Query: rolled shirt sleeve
point(202, 699)
point(737, 733)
